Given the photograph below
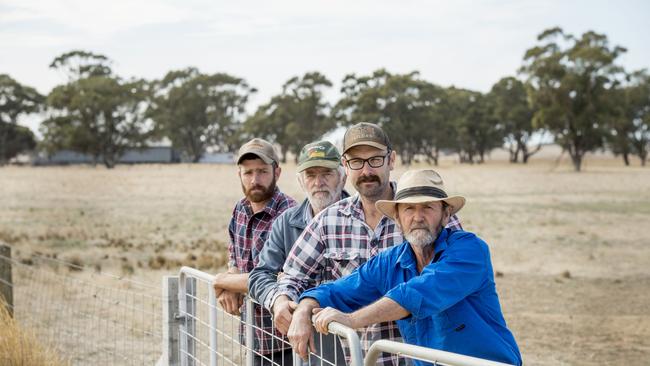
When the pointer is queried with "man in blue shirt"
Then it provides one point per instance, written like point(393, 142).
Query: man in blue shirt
point(438, 285)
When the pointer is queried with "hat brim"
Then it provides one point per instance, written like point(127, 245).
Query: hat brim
point(367, 143)
point(330, 164)
point(389, 208)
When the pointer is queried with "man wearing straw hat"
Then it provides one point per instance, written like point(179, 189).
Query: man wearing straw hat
point(345, 235)
point(438, 285)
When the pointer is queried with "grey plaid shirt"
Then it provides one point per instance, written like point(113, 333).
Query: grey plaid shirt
point(334, 244)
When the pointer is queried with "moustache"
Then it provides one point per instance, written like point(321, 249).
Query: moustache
point(368, 179)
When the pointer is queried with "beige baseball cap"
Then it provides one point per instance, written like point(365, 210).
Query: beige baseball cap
point(260, 148)
point(365, 133)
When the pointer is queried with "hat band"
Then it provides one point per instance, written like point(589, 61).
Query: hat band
point(421, 191)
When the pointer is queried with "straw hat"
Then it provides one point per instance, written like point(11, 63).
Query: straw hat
point(420, 186)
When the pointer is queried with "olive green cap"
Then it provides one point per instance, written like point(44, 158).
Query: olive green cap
point(321, 154)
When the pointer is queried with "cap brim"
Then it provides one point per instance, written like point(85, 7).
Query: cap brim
point(330, 164)
point(389, 208)
point(367, 143)
point(265, 158)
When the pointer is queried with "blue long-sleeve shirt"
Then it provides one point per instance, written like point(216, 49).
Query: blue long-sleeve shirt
point(453, 303)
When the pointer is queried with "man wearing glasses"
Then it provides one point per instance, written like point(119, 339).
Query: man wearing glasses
point(346, 235)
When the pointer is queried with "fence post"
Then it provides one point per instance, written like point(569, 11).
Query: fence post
point(171, 321)
point(250, 333)
point(187, 303)
point(6, 283)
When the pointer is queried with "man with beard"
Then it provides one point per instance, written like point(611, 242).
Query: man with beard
point(438, 285)
point(345, 235)
point(249, 228)
point(322, 178)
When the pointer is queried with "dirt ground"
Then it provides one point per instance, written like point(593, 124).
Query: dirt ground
point(571, 251)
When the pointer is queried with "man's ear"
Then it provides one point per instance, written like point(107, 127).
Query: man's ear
point(446, 215)
point(277, 172)
point(391, 159)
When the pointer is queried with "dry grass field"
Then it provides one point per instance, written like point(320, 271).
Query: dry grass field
point(571, 251)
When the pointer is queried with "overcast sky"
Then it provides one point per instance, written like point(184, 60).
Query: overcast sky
point(468, 44)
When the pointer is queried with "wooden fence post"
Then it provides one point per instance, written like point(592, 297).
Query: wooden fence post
point(6, 283)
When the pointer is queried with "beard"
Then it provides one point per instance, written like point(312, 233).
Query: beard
point(323, 197)
point(259, 193)
point(423, 236)
point(372, 191)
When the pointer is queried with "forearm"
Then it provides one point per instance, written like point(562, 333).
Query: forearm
point(305, 307)
point(234, 282)
point(382, 310)
point(261, 285)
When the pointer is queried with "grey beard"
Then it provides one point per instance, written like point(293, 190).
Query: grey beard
point(420, 237)
point(320, 201)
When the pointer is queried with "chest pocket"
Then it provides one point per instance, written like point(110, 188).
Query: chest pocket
point(341, 262)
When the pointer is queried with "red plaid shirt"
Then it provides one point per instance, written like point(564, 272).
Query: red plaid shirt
point(248, 232)
point(333, 245)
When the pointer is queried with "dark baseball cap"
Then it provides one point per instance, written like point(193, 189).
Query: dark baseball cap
point(260, 148)
point(365, 133)
point(319, 153)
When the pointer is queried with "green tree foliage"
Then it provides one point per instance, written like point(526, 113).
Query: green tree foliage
point(476, 130)
point(569, 80)
point(196, 111)
point(413, 112)
point(296, 117)
point(18, 139)
point(80, 64)
point(15, 100)
point(96, 112)
point(630, 120)
point(511, 108)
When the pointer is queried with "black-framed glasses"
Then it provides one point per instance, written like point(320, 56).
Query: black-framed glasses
point(373, 161)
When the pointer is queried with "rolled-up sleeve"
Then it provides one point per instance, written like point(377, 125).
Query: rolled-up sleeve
point(352, 292)
point(461, 270)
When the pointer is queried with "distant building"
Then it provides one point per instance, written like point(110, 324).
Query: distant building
point(147, 155)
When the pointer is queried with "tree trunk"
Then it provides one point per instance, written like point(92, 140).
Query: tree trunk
point(3, 143)
point(626, 158)
point(576, 159)
point(643, 155)
point(109, 161)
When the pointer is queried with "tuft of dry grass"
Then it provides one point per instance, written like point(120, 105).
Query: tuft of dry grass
point(19, 347)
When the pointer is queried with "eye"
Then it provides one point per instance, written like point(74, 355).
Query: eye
point(375, 160)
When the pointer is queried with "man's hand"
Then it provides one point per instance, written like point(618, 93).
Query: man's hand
point(230, 302)
point(282, 313)
point(300, 333)
point(323, 317)
point(217, 289)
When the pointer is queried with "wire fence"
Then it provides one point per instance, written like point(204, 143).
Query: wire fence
point(90, 318)
point(94, 318)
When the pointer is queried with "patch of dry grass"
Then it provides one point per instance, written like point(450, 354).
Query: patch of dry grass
point(19, 346)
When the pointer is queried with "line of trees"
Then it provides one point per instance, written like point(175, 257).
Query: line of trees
point(568, 87)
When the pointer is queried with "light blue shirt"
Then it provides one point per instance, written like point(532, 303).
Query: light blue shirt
point(453, 303)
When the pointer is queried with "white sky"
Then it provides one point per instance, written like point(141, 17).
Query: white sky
point(469, 44)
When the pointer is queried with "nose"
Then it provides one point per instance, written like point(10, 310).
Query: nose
point(366, 169)
point(418, 215)
point(321, 180)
